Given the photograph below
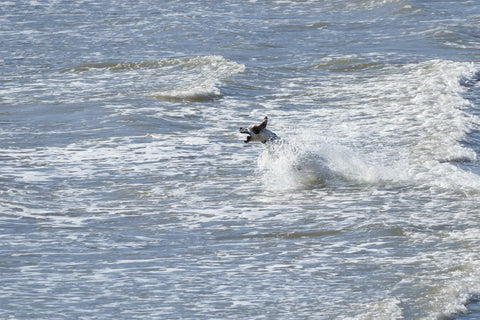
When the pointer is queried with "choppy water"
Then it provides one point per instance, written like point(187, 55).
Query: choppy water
point(128, 193)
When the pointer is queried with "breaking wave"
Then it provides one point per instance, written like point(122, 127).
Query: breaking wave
point(186, 78)
point(410, 128)
point(302, 163)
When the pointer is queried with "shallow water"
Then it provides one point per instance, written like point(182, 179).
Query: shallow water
point(127, 190)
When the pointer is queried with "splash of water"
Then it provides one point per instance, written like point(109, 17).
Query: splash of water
point(303, 162)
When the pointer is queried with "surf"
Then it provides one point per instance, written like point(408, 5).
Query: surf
point(408, 126)
point(174, 79)
point(299, 162)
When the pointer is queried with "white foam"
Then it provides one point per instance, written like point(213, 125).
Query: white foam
point(195, 78)
point(402, 124)
point(386, 309)
point(185, 78)
point(199, 91)
point(300, 162)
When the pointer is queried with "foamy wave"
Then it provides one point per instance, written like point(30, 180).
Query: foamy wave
point(435, 90)
point(185, 78)
point(180, 62)
point(406, 125)
point(387, 309)
point(301, 163)
point(197, 78)
point(205, 90)
point(287, 166)
point(434, 113)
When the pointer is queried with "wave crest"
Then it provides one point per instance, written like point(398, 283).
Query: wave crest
point(184, 78)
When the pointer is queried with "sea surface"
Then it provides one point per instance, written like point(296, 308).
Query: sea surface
point(127, 192)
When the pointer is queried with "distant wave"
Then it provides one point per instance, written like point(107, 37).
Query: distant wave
point(184, 78)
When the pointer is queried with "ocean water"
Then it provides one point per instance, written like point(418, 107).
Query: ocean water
point(127, 192)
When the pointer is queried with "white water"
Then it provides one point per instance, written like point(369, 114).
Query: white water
point(128, 192)
point(407, 127)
